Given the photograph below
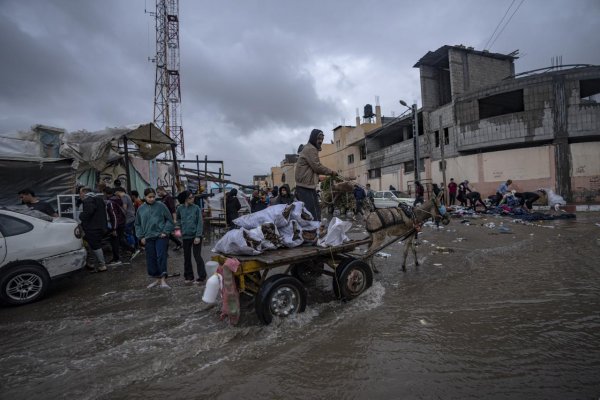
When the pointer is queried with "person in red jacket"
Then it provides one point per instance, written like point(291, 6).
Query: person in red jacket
point(452, 187)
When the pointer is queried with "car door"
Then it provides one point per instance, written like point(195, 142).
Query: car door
point(389, 201)
point(378, 199)
point(2, 248)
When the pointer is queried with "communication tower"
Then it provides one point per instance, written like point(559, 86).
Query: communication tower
point(167, 89)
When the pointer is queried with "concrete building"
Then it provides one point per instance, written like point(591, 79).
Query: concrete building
point(540, 129)
point(284, 173)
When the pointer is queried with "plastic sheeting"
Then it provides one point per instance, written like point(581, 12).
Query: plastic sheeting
point(98, 149)
point(47, 178)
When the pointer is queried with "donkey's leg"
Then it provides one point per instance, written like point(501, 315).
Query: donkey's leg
point(377, 239)
point(414, 248)
point(407, 244)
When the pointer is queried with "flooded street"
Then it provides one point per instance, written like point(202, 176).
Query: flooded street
point(488, 314)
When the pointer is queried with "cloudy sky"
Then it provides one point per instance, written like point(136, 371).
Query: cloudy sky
point(257, 76)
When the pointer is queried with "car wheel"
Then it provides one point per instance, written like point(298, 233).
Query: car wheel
point(23, 284)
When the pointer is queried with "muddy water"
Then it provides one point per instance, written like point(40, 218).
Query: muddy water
point(487, 315)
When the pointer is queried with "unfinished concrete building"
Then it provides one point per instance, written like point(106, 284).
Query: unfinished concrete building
point(487, 125)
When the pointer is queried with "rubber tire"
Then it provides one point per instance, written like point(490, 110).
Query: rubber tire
point(306, 272)
point(269, 288)
point(445, 220)
point(21, 269)
point(343, 272)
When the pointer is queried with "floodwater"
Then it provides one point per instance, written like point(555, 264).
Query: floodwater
point(486, 315)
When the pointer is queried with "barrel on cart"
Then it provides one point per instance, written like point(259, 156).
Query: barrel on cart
point(284, 294)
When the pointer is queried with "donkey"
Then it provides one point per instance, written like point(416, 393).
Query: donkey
point(395, 223)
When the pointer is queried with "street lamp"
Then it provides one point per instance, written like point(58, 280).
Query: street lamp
point(415, 127)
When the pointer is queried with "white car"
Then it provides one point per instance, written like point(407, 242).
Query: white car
point(34, 249)
point(391, 198)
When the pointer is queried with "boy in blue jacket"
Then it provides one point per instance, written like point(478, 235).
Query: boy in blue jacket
point(153, 224)
point(189, 220)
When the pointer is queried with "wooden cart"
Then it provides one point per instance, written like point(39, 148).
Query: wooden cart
point(285, 293)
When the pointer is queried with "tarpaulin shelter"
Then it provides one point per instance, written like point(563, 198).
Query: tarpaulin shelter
point(51, 161)
point(31, 159)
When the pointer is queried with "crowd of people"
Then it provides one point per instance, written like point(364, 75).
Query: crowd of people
point(132, 224)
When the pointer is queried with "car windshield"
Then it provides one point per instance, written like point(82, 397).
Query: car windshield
point(28, 211)
point(399, 194)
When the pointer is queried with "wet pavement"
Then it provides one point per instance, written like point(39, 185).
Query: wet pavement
point(497, 312)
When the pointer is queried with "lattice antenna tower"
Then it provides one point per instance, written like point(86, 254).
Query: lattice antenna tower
point(167, 86)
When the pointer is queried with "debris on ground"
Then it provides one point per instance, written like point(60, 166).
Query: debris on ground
point(383, 255)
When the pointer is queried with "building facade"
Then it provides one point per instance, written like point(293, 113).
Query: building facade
point(482, 123)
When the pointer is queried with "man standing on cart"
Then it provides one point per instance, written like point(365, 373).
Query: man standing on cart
point(308, 169)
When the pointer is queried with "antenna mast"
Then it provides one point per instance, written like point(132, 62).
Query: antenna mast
point(167, 90)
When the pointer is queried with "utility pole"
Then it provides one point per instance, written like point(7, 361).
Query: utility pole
point(442, 143)
point(416, 141)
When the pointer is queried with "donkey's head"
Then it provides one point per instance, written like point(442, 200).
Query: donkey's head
point(435, 209)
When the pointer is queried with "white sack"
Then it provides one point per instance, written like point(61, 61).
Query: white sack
point(273, 214)
point(301, 214)
point(336, 233)
point(291, 234)
point(234, 242)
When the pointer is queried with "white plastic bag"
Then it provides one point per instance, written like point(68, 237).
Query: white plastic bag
point(336, 233)
point(301, 214)
point(274, 214)
point(239, 242)
point(291, 234)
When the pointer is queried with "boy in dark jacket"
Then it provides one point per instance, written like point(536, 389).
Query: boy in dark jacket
point(94, 223)
point(116, 221)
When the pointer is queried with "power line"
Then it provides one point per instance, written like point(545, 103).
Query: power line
point(499, 23)
point(507, 22)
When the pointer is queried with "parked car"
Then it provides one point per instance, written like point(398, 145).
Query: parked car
point(35, 249)
point(391, 198)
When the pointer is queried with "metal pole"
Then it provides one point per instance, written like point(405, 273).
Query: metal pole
point(176, 168)
point(126, 151)
point(198, 171)
point(442, 143)
point(416, 141)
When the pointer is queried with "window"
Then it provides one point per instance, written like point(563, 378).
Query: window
point(10, 226)
point(378, 195)
point(500, 104)
point(387, 195)
point(442, 165)
point(363, 152)
point(351, 159)
point(375, 173)
point(409, 167)
point(283, 177)
point(589, 90)
point(437, 138)
point(446, 136)
point(337, 144)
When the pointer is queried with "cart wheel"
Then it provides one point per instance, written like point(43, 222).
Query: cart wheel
point(307, 272)
point(280, 295)
point(352, 278)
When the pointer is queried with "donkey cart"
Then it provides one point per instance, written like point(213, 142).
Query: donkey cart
point(283, 294)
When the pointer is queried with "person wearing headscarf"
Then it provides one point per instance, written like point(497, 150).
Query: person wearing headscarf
point(284, 197)
point(308, 169)
point(232, 204)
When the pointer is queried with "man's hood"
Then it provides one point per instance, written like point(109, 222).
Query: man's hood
point(313, 138)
